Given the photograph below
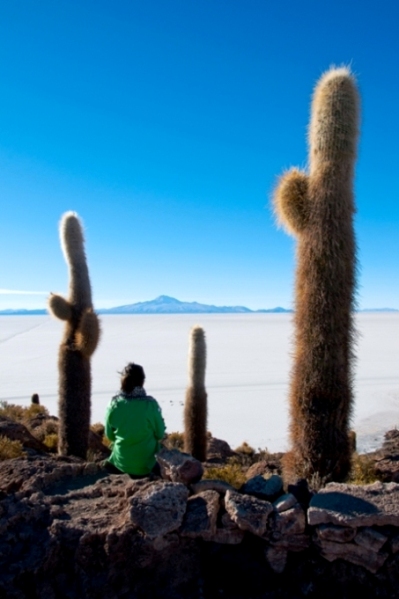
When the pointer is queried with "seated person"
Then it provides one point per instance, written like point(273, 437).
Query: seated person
point(134, 424)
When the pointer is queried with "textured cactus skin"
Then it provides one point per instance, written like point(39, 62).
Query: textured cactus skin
point(195, 409)
point(81, 336)
point(318, 208)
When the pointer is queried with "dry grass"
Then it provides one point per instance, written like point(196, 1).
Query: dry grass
point(10, 449)
point(51, 441)
point(174, 440)
point(21, 413)
point(231, 473)
point(362, 471)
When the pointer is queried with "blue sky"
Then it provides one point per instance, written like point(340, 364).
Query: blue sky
point(164, 125)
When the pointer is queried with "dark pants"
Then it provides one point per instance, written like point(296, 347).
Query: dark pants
point(114, 470)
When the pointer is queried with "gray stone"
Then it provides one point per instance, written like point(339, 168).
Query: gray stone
point(159, 508)
point(337, 534)
point(218, 449)
point(201, 514)
point(249, 513)
point(276, 558)
point(370, 538)
point(211, 485)
point(356, 505)
point(353, 553)
point(264, 488)
point(179, 467)
point(290, 522)
point(285, 502)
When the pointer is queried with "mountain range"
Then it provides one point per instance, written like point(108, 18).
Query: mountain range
point(165, 304)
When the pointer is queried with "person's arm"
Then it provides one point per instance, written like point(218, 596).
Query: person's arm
point(109, 431)
point(158, 422)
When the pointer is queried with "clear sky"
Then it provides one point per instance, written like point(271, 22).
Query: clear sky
point(165, 123)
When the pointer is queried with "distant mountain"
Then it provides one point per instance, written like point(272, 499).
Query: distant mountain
point(22, 312)
point(169, 305)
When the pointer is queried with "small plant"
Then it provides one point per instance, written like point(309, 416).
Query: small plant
point(48, 427)
point(362, 471)
point(10, 449)
point(98, 428)
point(245, 449)
point(21, 413)
point(174, 441)
point(35, 399)
point(51, 441)
point(231, 473)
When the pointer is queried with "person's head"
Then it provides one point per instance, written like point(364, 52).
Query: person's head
point(132, 376)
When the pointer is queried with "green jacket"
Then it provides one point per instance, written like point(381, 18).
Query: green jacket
point(135, 426)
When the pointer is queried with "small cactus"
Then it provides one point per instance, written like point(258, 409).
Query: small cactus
point(82, 332)
point(35, 399)
point(195, 409)
point(318, 209)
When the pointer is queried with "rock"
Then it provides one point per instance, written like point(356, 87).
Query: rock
point(370, 538)
point(159, 508)
point(225, 536)
point(290, 522)
point(218, 450)
point(386, 459)
point(337, 534)
point(264, 488)
point(269, 466)
point(201, 514)
point(285, 502)
point(356, 505)
point(220, 486)
point(276, 558)
point(353, 553)
point(179, 467)
point(395, 544)
point(249, 513)
point(15, 431)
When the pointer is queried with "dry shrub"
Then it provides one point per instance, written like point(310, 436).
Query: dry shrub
point(98, 428)
point(362, 471)
point(10, 449)
point(245, 449)
point(51, 441)
point(231, 473)
point(174, 441)
point(21, 413)
point(48, 427)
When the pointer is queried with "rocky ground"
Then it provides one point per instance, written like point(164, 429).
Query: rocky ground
point(68, 529)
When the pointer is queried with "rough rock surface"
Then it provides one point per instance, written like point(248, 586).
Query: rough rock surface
point(15, 431)
point(264, 488)
point(179, 467)
point(249, 513)
point(355, 505)
point(158, 508)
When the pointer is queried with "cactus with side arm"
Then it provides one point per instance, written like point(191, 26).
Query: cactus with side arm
point(318, 209)
point(81, 336)
point(195, 408)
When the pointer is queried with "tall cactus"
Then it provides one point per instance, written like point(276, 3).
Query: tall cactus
point(195, 409)
point(318, 209)
point(81, 336)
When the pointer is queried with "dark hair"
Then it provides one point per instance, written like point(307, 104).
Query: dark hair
point(132, 376)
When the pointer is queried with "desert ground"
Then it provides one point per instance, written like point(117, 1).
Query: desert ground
point(247, 377)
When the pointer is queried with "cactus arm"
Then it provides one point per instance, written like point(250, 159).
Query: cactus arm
point(59, 307)
point(88, 333)
point(291, 201)
point(72, 243)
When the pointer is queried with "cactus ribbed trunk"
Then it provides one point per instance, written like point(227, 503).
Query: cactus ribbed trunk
point(318, 208)
point(80, 340)
point(195, 409)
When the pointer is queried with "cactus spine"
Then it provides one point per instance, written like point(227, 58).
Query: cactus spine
point(318, 209)
point(195, 409)
point(81, 336)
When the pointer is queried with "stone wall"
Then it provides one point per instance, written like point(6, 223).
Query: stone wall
point(69, 529)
